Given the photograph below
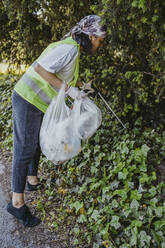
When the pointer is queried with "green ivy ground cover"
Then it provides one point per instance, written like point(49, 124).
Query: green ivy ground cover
point(112, 194)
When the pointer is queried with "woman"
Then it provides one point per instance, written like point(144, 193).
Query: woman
point(58, 63)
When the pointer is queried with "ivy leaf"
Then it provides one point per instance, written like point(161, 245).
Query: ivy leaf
point(153, 202)
point(121, 192)
point(90, 210)
point(106, 189)
point(94, 169)
point(159, 211)
point(75, 241)
point(159, 224)
point(144, 178)
point(96, 245)
point(77, 205)
point(138, 155)
point(115, 204)
point(95, 215)
point(144, 239)
point(83, 188)
point(115, 222)
point(163, 244)
point(152, 191)
point(76, 230)
point(124, 245)
point(136, 223)
point(95, 185)
point(126, 211)
point(145, 149)
point(123, 174)
point(82, 218)
point(134, 204)
point(105, 230)
point(134, 236)
point(114, 185)
point(135, 195)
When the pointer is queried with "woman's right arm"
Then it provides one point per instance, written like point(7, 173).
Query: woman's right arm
point(49, 77)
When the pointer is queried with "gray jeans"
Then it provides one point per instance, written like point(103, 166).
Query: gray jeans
point(26, 149)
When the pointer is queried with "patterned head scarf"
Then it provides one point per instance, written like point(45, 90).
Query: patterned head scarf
point(89, 25)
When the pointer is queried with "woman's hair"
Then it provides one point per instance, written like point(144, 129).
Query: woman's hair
point(84, 41)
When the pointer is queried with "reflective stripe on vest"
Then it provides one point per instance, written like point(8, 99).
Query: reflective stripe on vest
point(36, 89)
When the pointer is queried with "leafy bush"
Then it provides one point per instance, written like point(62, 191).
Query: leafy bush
point(130, 69)
point(29, 26)
point(6, 86)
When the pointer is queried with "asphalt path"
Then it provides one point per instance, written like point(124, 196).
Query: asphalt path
point(9, 235)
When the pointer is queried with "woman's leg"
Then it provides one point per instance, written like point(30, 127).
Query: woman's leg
point(26, 126)
point(33, 167)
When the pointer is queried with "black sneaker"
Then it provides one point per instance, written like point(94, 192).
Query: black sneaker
point(31, 187)
point(23, 215)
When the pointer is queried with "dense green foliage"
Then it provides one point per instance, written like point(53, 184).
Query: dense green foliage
point(29, 26)
point(112, 193)
point(136, 70)
point(114, 190)
point(6, 86)
point(129, 70)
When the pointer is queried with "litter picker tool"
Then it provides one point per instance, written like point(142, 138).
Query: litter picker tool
point(87, 88)
point(105, 102)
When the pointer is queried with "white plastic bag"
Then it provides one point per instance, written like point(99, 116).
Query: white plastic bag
point(58, 139)
point(87, 117)
point(62, 128)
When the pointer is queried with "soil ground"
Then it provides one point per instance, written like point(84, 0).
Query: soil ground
point(13, 234)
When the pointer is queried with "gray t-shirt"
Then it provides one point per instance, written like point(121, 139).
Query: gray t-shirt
point(61, 60)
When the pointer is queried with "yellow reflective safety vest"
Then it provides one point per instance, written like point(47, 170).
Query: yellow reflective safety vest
point(35, 89)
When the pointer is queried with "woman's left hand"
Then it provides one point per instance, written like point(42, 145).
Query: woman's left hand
point(79, 84)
